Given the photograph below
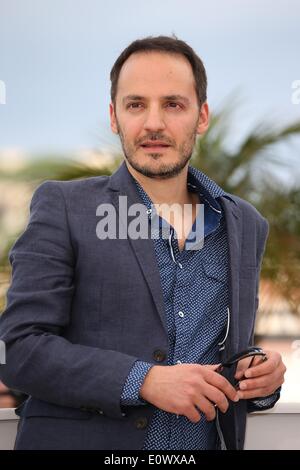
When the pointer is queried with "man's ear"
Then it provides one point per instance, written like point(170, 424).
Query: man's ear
point(203, 122)
point(113, 119)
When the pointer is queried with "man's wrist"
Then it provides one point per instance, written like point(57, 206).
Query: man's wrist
point(145, 390)
point(130, 393)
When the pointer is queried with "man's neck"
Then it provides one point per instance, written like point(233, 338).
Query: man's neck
point(164, 191)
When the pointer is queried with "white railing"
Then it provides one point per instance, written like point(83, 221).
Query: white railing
point(8, 428)
point(275, 429)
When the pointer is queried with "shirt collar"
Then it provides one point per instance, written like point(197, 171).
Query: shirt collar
point(199, 182)
point(207, 189)
point(209, 193)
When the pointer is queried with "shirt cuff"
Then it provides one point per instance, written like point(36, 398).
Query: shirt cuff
point(130, 394)
point(263, 403)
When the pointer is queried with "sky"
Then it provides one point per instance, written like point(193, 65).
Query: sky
point(56, 55)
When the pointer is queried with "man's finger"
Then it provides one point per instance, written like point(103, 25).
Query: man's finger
point(218, 398)
point(207, 408)
point(266, 366)
point(212, 366)
point(192, 414)
point(218, 381)
point(256, 393)
point(252, 384)
point(242, 366)
point(246, 363)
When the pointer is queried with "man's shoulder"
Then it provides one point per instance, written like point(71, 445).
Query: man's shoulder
point(79, 184)
point(76, 196)
point(77, 188)
point(247, 208)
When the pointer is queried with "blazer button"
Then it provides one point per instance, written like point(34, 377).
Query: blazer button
point(159, 355)
point(141, 423)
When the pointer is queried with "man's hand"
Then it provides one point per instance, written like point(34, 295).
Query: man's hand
point(262, 378)
point(181, 388)
point(6, 399)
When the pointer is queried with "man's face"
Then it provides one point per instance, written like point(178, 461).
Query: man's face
point(157, 114)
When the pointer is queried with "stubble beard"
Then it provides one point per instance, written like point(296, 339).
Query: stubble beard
point(165, 171)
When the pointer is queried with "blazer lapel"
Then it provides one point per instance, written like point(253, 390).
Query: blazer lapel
point(122, 184)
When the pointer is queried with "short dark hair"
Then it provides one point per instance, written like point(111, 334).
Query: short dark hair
point(166, 44)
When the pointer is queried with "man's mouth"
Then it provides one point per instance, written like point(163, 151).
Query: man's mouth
point(155, 145)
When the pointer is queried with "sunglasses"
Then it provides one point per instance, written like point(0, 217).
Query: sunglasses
point(229, 365)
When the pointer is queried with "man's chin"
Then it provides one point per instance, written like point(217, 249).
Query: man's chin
point(157, 170)
point(162, 172)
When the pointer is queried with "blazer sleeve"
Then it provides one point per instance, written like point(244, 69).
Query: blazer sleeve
point(39, 360)
point(263, 403)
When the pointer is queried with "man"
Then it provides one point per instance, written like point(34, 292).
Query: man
point(117, 338)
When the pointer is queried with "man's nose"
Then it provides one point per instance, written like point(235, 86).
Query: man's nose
point(154, 119)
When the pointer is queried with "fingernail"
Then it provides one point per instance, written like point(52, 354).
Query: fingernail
point(237, 397)
point(243, 385)
point(247, 373)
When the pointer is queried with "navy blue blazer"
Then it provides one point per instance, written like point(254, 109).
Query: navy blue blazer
point(80, 311)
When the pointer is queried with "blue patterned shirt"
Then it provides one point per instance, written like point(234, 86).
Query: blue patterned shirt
point(195, 291)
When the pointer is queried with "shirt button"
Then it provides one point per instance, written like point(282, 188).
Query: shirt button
point(181, 314)
point(178, 362)
point(141, 423)
point(159, 356)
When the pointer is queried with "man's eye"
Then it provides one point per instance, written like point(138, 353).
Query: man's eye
point(134, 105)
point(174, 105)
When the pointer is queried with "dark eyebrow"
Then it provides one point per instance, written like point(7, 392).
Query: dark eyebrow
point(166, 98)
point(176, 98)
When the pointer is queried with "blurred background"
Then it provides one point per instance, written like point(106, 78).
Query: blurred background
point(55, 59)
